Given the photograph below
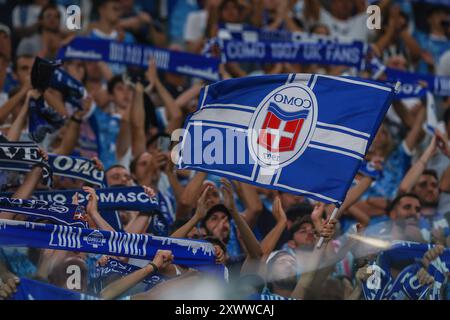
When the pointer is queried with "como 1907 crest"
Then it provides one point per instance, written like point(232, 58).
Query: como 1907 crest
point(282, 125)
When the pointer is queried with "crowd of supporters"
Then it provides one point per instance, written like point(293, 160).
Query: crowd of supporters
point(265, 238)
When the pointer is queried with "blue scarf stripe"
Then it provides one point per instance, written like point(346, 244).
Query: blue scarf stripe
point(67, 214)
point(38, 235)
point(115, 198)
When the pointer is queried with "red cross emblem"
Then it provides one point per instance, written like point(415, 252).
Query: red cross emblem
point(280, 129)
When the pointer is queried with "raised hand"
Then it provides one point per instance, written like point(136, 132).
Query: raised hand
point(278, 211)
point(152, 73)
point(442, 142)
point(200, 212)
point(149, 192)
point(328, 230)
point(86, 105)
point(228, 193)
point(92, 206)
point(43, 154)
point(98, 164)
point(220, 255)
point(8, 288)
point(163, 258)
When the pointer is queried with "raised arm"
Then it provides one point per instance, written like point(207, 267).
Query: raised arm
point(94, 217)
point(9, 105)
point(19, 123)
point(138, 138)
point(416, 134)
point(417, 169)
point(248, 238)
point(198, 216)
point(252, 202)
point(71, 135)
point(356, 192)
point(192, 189)
point(123, 140)
point(169, 103)
point(26, 189)
point(270, 241)
point(161, 260)
point(140, 223)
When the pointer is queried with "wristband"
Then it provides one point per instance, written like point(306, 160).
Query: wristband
point(155, 268)
point(74, 119)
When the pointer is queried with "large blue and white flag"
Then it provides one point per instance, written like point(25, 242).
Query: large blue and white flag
point(300, 133)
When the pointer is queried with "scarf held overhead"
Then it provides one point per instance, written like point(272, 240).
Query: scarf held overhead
point(39, 235)
point(60, 213)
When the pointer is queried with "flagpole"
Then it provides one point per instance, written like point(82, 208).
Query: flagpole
point(333, 216)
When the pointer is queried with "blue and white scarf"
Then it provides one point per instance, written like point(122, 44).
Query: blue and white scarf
point(38, 235)
point(35, 290)
point(60, 213)
point(42, 120)
point(23, 156)
point(77, 168)
point(322, 52)
point(406, 284)
point(114, 266)
point(115, 198)
point(411, 82)
point(71, 89)
point(138, 55)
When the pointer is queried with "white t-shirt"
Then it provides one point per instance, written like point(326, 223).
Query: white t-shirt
point(443, 67)
point(24, 16)
point(353, 28)
point(195, 25)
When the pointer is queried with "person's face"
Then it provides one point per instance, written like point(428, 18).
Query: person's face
point(5, 44)
point(289, 200)
point(230, 13)
point(397, 62)
point(142, 165)
point(284, 271)
point(118, 176)
point(111, 12)
point(66, 183)
point(51, 20)
point(63, 264)
point(271, 5)
point(76, 69)
point(341, 9)
point(407, 211)
point(304, 237)
point(437, 18)
point(218, 224)
point(322, 30)
point(23, 71)
point(122, 95)
point(427, 189)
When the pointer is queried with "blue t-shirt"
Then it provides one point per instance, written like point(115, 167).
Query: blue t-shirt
point(17, 261)
point(106, 127)
point(436, 46)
